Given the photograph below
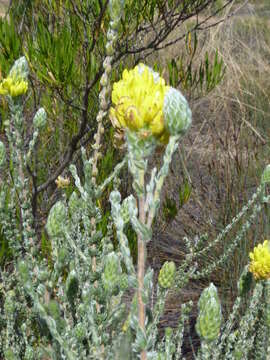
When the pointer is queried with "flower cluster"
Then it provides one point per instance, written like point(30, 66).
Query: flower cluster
point(209, 319)
point(62, 182)
point(144, 104)
point(167, 274)
point(138, 100)
point(260, 261)
point(13, 86)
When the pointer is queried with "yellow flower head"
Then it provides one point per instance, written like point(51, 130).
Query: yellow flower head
point(260, 261)
point(138, 100)
point(13, 86)
point(62, 182)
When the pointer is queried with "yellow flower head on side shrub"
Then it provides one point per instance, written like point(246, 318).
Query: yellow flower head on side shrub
point(138, 100)
point(260, 261)
point(62, 182)
point(13, 86)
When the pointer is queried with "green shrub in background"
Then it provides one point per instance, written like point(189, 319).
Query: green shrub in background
point(72, 306)
point(65, 44)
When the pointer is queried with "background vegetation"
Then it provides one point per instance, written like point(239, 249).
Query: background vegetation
point(226, 149)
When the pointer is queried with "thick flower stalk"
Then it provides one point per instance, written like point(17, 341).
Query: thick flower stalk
point(260, 261)
point(148, 112)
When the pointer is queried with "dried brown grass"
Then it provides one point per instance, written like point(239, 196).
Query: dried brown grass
point(225, 152)
point(3, 7)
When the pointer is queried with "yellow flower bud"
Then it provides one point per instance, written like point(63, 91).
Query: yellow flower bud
point(157, 125)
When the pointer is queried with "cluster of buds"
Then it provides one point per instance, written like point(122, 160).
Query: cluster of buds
point(112, 269)
point(144, 104)
point(56, 219)
point(260, 261)
point(115, 10)
point(112, 278)
point(16, 83)
point(209, 319)
point(166, 275)
point(40, 119)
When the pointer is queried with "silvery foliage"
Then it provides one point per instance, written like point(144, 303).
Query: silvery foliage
point(73, 307)
point(177, 114)
point(77, 311)
point(20, 69)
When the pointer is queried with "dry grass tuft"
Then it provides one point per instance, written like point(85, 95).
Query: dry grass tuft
point(3, 7)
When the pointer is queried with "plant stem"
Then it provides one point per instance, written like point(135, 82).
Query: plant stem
point(141, 270)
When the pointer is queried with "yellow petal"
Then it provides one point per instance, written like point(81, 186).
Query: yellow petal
point(133, 119)
point(157, 125)
point(7, 83)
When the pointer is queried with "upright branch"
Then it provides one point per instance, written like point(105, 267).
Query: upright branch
point(115, 10)
point(141, 264)
point(149, 113)
point(14, 87)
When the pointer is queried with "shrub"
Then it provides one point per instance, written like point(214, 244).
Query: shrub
point(72, 306)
